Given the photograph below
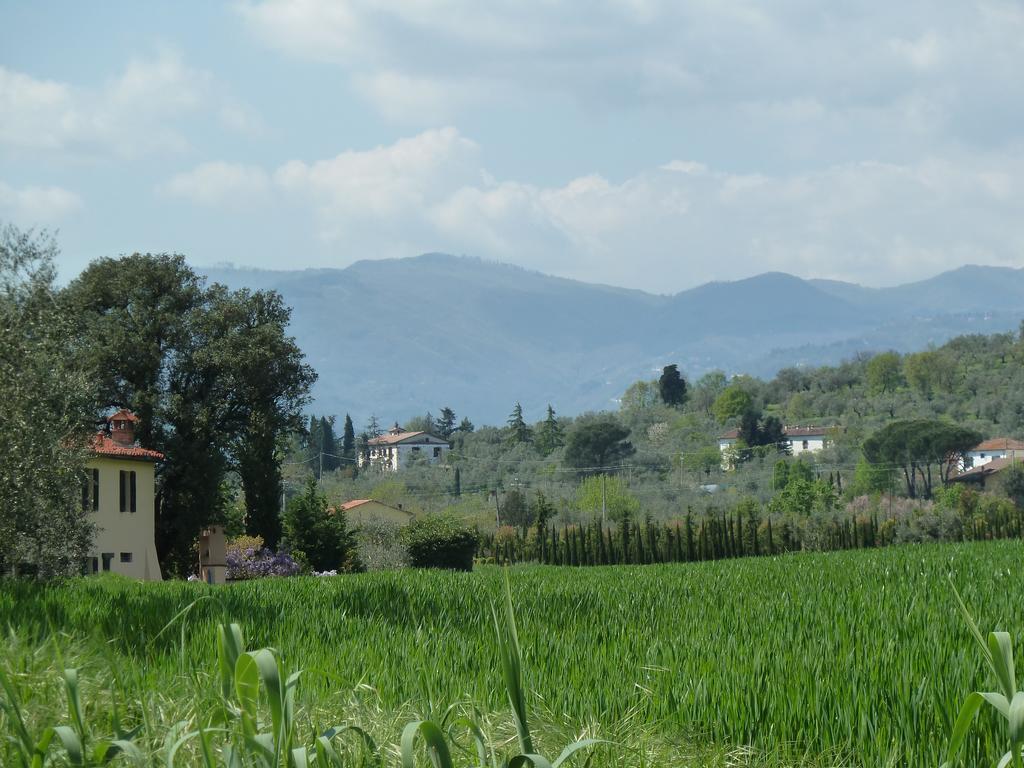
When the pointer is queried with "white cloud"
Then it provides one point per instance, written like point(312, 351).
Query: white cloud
point(825, 65)
point(922, 54)
point(139, 110)
point(661, 229)
point(406, 98)
point(33, 206)
point(219, 184)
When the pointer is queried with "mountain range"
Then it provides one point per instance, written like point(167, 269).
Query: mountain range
point(399, 337)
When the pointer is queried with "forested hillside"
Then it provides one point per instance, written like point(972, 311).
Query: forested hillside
point(399, 335)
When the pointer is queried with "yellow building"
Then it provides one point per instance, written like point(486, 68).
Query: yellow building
point(120, 492)
point(361, 511)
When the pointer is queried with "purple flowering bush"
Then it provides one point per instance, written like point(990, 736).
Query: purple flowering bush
point(247, 558)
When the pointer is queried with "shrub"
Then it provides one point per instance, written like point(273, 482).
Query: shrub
point(254, 563)
point(380, 547)
point(319, 535)
point(440, 541)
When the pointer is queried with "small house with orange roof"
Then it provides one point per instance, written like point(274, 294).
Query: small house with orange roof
point(360, 511)
point(120, 494)
point(397, 448)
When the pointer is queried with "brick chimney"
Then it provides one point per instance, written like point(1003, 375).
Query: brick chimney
point(122, 427)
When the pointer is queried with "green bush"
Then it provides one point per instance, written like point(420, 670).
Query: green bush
point(440, 541)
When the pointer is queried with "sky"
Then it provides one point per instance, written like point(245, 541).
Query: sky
point(645, 144)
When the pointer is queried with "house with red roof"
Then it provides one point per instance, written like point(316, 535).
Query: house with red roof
point(393, 451)
point(120, 493)
point(360, 511)
point(989, 450)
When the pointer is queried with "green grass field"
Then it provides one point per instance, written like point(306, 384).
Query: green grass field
point(855, 658)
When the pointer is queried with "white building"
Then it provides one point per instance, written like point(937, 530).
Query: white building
point(994, 448)
point(394, 450)
point(801, 439)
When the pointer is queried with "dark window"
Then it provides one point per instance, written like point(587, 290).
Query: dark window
point(108, 558)
point(806, 445)
point(416, 448)
point(85, 494)
point(126, 557)
point(123, 491)
point(95, 564)
point(95, 490)
point(437, 453)
point(131, 484)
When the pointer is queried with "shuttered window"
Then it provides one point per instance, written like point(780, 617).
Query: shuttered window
point(129, 497)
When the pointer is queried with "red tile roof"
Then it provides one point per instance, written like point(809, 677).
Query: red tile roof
point(999, 444)
point(393, 438)
point(105, 446)
point(124, 415)
point(984, 470)
point(354, 503)
point(359, 502)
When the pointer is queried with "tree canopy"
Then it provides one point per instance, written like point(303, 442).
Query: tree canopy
point(47, 415)
point(213, 376)
point(672, 386)
point(914, 446)
point(597, 442)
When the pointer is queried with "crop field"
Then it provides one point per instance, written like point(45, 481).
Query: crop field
point(852, 658)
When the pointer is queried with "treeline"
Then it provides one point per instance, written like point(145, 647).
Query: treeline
point(215, 379)
point(741, 532)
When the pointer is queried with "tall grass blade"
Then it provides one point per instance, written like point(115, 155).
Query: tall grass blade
point(433, 738)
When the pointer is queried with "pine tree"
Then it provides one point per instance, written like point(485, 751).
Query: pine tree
point(550, 434)
point(466, 426)
point(445, 423)
point(519, 432)
point(373, 428)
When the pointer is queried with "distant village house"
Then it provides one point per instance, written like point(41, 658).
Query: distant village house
point(360, 511)
point(394, 450)
point(119, 492)
point(801, 439)
point(990, 450)
point(982, 466)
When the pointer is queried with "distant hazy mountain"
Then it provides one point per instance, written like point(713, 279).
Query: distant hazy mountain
point(400, 337)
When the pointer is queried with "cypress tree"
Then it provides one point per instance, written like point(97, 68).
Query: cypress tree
point(691, 552)
point(771, 542)
point(624, 532)
point(348, 440)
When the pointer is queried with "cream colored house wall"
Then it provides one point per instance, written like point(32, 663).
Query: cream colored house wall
point(126, 532)
point(374, 510)
point(814, 443)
